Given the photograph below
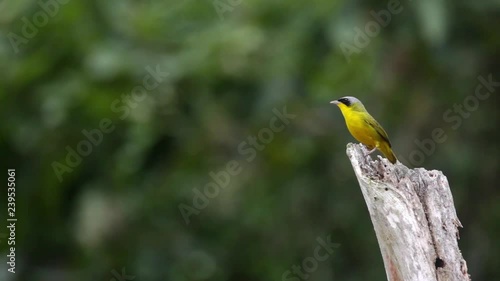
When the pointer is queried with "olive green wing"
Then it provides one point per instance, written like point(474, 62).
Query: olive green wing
point(378, 128)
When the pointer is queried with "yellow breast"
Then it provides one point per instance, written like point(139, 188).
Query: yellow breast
point(359, 129)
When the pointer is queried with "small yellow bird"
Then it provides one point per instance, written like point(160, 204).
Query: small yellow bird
point(364, 127)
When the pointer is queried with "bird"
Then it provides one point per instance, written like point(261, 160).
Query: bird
point(364, 128)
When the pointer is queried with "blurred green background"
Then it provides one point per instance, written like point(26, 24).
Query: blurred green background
point(216, 72)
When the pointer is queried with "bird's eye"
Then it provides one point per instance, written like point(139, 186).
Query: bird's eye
point(345, 101)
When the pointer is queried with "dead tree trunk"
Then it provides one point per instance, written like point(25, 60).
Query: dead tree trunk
point(414, 218)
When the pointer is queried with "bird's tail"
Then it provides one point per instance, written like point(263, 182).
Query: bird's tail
point(389, 154)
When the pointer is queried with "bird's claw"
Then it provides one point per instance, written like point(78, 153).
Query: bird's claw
point(371, 151)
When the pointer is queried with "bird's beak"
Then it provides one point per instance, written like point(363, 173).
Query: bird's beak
point(334, 102)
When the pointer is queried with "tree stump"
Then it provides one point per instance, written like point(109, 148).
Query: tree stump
point(414, 218)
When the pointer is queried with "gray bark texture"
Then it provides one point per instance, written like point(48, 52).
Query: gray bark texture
point(414, 218)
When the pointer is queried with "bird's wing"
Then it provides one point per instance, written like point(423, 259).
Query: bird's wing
point(375, 125)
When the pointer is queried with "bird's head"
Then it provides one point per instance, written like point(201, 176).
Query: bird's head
point(349, 102)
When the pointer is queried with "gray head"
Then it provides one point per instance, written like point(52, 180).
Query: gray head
point(347, 101)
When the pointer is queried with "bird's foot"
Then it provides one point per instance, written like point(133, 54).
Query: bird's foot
point(371, 151)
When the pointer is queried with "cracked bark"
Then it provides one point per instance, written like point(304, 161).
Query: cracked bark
point(414, 218)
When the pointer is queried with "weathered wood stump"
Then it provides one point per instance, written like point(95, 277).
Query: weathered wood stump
point(414, 218)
